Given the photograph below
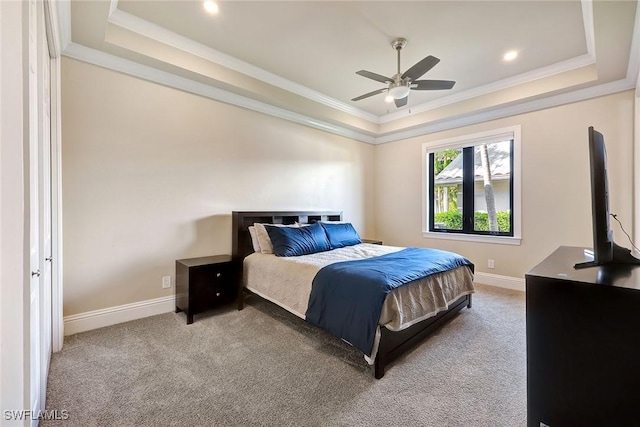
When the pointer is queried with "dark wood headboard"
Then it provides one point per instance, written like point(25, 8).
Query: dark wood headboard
point(241, 240)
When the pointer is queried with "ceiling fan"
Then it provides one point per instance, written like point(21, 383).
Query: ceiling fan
point(401, 84)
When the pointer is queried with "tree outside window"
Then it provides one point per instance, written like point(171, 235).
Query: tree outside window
point(471, 189)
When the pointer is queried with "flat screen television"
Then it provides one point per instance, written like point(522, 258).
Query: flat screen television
point(605, 251)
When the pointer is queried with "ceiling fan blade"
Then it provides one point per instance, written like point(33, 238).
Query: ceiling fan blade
point(366, 95)
point(374, 76)
point(401, 102)
point(432, 84)
point(421, 67)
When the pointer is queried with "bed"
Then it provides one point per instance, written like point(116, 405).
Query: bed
point(400, 328)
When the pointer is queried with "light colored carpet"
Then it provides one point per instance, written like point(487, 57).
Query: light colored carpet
point(265, 367)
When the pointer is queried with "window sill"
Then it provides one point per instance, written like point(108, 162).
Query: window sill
point(500, 240)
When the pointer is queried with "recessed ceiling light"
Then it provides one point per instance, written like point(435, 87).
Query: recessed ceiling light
point(211, 7)
point(511, 55)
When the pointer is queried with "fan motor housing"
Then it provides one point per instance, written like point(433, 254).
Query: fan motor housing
point(399, 43)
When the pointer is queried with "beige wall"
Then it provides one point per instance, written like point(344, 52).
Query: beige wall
point(556, 204)
point(151, 175)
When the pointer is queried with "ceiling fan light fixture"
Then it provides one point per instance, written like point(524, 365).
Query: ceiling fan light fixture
point(399, 86)
point(399, 92)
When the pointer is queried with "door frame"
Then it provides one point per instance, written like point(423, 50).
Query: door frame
point(54, 38)
point(14, 203)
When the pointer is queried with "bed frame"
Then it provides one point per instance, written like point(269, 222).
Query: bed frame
point(392, 344)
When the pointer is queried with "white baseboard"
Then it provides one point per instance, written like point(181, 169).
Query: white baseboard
point(514, 283)
point(123, 313)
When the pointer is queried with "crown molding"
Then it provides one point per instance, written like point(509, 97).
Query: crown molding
point(511, 110)
point(63, 12)
point(113, 6)
point(148, 29)
point(589, 30)
point(112, 62)
point(159, 33)
point(633, 69)
point(115, 63)
point(540, 73)
point(54, 39)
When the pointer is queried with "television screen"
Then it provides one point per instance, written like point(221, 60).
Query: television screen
point(605, 251)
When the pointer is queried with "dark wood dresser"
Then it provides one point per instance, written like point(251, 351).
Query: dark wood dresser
point(583, 343)
point(204, 283)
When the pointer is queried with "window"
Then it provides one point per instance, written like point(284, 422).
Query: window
point(472, 187)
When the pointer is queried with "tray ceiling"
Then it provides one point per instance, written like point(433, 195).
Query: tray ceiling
point(299, 58)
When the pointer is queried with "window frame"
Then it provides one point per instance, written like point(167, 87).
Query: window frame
point(497, 135)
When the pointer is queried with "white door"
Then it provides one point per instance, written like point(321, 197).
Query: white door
point(40, 207)
point(44, 130)
point(34, 220)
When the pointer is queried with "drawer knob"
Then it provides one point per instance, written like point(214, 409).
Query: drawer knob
point(218, 274)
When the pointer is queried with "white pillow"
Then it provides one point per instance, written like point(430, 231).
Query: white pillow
point(263, 236)
point(254, 239)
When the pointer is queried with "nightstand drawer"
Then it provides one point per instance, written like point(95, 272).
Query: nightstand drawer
point(216, 286)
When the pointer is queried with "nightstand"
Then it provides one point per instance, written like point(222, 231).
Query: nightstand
point(204, 283)
point(372, 241)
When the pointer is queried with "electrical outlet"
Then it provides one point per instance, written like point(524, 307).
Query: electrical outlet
point(166, 282)
point(491, 264)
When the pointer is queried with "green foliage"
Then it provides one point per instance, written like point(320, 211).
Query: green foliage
point(451, 191)
point(452, 220)
point(481, 221)
point(441, 159)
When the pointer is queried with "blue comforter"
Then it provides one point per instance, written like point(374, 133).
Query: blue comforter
point(347, 297)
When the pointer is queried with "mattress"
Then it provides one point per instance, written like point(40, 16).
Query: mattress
point(287, 281)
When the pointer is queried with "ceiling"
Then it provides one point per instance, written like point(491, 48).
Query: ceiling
point(297, 59)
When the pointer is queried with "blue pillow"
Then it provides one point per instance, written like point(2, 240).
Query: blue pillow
point(341, 234)
point(292, 241)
